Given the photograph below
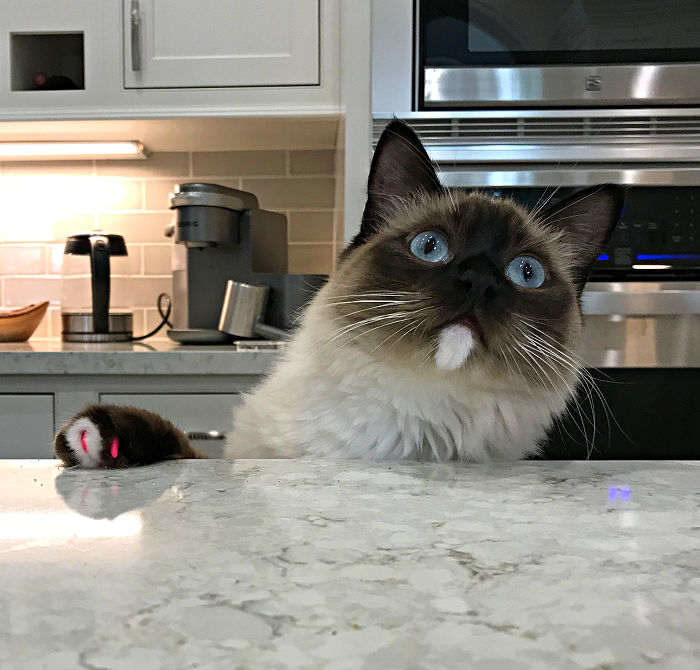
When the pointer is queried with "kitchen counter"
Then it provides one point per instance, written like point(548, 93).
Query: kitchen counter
point(284, 564)
point(149, 357)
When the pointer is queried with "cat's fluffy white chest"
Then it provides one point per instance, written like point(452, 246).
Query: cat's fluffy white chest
point(347, 404)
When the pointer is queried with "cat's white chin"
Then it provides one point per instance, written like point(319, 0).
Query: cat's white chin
point(455, 344)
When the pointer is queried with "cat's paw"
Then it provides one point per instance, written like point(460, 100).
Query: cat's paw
point(113, 436)
point(84, 442)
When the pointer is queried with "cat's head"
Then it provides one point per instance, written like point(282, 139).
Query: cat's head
point(460, 279)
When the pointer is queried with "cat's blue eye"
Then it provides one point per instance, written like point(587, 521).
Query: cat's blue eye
point(430, 246)
point(526, 271)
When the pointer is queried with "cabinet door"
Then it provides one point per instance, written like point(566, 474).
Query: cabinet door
point(59, 39)
point(220, 43)
point(207, 416)
point(26, 423)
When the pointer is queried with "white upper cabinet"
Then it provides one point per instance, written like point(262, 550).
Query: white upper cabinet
point(169, 58)
point(220, 43)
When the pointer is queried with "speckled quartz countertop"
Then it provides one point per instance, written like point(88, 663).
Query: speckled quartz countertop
point(300, 564)
point(152, 357)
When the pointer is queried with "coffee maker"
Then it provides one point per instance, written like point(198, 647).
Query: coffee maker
point(221, 234)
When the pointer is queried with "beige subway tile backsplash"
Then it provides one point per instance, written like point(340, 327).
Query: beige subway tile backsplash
point(135, 254)
point(136, 226)
point(311, 258)
point(145, 290)
point(53, 318)
point(20, 291)
point(131, 198)
point(310, 226)
point(239, 163)
point(67, 225)
point(15, 259)
point(125, 194)
point(152, 319)
point(157, 193)
point(157, 259)
point(320, 161)
point(292, 192)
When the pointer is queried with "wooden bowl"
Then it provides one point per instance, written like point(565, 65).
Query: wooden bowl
point(18, 325)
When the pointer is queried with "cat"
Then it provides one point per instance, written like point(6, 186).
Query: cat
point(448, 331)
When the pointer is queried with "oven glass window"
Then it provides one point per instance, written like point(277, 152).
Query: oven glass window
point(557, 32)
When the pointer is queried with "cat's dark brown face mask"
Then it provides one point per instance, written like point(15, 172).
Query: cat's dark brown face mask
point(426, 259)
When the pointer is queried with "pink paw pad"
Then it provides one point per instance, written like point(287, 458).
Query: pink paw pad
point(114, 448)
point(83, 440)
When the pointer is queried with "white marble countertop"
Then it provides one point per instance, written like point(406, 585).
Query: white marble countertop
point(53, 357)
point(301, 564)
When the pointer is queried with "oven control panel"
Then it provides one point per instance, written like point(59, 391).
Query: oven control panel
point(657, 237)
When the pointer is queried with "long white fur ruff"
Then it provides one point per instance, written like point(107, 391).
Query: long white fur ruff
point(342, 402)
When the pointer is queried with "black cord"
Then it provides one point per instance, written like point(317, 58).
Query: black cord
point(164, 314)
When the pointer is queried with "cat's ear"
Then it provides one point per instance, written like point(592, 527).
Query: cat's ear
point(586, 220)
point(401, 169)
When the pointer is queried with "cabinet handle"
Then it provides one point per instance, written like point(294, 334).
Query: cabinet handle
point(206, 435)
point(135, 16)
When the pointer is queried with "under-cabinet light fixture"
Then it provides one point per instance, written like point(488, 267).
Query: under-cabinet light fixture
point(54, 151)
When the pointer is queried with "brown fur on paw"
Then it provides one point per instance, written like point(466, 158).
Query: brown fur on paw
point(114, 436)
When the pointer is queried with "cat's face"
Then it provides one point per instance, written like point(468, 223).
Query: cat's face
point(462, 281)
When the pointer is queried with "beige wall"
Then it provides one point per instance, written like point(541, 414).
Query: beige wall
point(45, 202)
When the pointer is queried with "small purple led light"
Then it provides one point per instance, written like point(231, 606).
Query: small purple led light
point(623, 493)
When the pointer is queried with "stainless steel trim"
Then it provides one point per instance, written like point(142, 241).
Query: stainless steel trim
point(562, 85)
point(617, 112)
point(135, 21)
point(78, 327)
point(572, 152)
point(470, 176)
point(641, 298)
point(668, 341)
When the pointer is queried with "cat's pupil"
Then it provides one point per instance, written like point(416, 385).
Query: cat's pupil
point(430, 246)
point(527, 272)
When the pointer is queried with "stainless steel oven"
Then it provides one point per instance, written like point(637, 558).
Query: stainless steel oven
point(642, 303)
point(500, 53)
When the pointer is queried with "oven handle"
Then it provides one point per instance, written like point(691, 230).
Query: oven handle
point(641, 298)
point(580, 153)
point(542, 176)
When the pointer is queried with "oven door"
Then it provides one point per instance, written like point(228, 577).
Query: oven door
point(491, 53)
point(641, 308)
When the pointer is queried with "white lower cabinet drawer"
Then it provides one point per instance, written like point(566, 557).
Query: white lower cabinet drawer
point(198, 415)
point(26, 426)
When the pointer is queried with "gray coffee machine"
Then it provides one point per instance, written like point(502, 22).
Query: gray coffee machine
point(221, 234)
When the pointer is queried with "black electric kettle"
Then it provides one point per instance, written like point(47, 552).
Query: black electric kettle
point(91, 311)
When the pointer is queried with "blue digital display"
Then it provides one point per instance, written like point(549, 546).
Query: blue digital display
point(668, 257)
point(604, 257)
